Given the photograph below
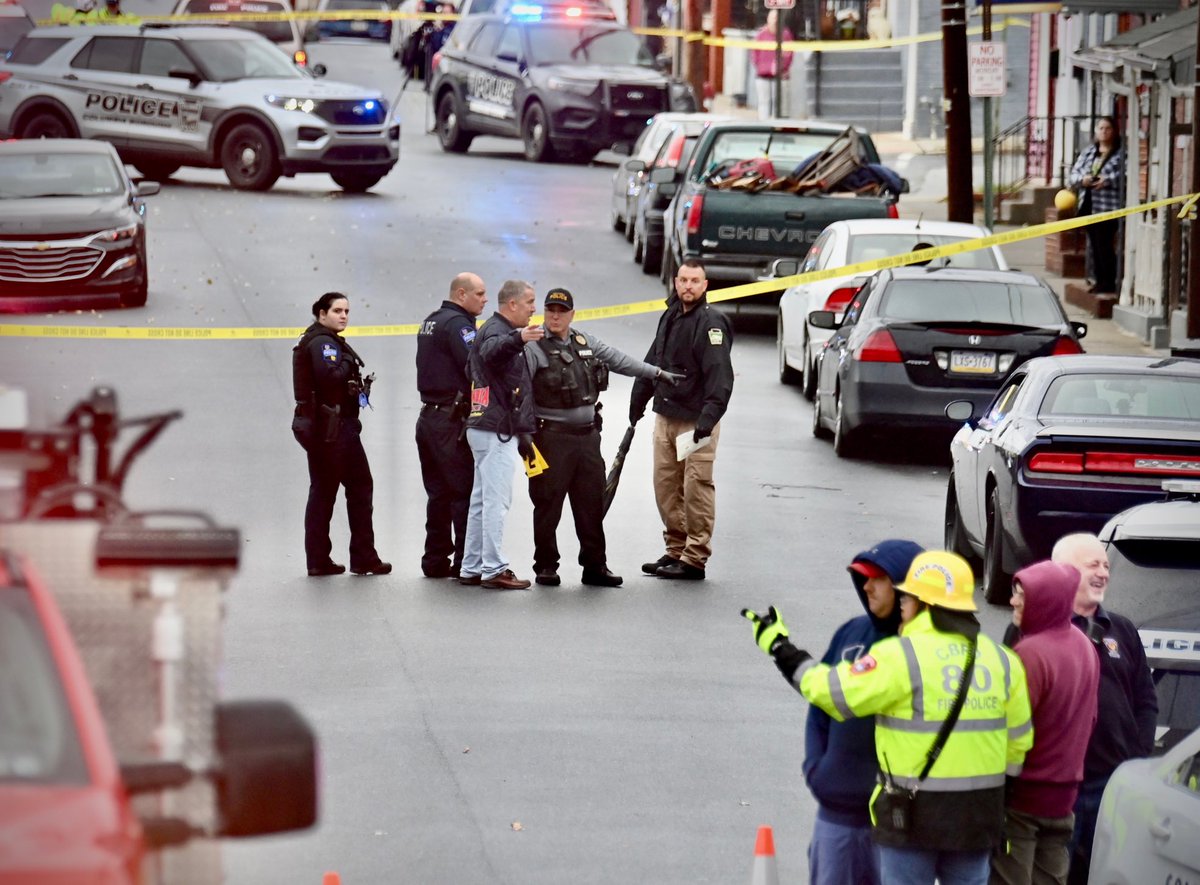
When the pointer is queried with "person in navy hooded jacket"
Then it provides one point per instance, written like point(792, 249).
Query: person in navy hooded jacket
point(839, 757)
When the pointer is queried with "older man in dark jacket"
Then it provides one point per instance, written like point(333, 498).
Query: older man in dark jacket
point(498, 430)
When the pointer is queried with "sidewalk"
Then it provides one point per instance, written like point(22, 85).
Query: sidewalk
point(923, 162)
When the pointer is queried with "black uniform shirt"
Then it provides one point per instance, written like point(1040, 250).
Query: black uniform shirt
point(443, 347)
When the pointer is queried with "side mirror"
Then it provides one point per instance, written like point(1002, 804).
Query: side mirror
point(664, 175)
point(960, 410)
point(267, 776)
point(662, 63)
point(635, 165)
point(785, 267)
point(823, 319)
point(905, 187)
point(319, 70)
point(191, 76)
point(148, 188)
point(624, 148)
point(1080, 329)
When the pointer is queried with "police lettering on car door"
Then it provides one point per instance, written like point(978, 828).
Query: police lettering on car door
point(184, 115)
point(490, 95)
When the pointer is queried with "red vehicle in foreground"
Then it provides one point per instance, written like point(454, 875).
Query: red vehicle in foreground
point(114, 744)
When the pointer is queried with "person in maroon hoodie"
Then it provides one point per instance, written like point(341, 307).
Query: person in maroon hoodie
point(1062, 671)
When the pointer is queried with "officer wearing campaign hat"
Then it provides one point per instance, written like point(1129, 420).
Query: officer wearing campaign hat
point(570, 369)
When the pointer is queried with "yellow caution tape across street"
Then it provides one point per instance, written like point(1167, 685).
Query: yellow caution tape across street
point(633, 308)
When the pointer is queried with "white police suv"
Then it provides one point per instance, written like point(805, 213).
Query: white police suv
point(212, 97)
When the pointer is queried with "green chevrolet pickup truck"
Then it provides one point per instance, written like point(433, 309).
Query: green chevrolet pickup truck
point(739, 231)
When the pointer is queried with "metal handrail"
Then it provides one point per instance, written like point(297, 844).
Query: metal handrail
point(1027, 150)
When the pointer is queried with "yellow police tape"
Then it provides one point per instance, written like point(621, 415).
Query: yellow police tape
point(633, 308)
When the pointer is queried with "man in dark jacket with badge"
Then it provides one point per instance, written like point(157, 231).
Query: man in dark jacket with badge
point(499, 430)
point(330, 390)
point(694, 342)
point(443, 346)
point(569, 370)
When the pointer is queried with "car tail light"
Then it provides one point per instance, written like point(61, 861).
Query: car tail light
point(674, 152)
point(879, 347)
point(695, 210)
point(893, 211)
point(1116, 462)
point(300, 57)
point(1065, 346)
point(437, 60)
point(839, 298)
point(4, 75)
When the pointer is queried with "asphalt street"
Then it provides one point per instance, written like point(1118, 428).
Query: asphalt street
point(561, 734)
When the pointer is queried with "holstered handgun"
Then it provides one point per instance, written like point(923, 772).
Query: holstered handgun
point(460, 408)
point(329, 422)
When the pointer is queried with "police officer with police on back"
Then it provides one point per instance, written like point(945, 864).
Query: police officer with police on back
point(330, 390)
point(443, 346)
point(570, 369)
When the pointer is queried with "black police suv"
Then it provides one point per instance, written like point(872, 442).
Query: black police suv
point(568, 81)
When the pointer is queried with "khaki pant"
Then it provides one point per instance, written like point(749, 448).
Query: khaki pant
point(684, 490)
point(1036, 850)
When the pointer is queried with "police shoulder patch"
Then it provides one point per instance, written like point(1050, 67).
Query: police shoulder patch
point(865, 664)
point(716, 336)
point(468, 333)
point(330, 352)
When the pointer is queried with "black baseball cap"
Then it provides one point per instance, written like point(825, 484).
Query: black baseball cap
point(561, 298)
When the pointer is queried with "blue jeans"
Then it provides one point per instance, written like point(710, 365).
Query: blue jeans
point(491, 496)
point(919, 866)
point(1087, 809)
point(842, 855)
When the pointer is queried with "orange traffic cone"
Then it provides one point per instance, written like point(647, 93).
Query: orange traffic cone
point(331, 879)
point(765, 871)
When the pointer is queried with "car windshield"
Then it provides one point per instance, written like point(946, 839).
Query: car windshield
point(1157, 397)
point(965, 301)
point(785, 150)
point(26, 176)
point(1153, 577)
point(357, 4)
point(38, 740)
point(554, 44)
point(275, 31)
point(868, 247)
point(226, 60)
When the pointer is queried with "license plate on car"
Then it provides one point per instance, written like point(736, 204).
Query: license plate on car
point(973, 362)
point(358, 26)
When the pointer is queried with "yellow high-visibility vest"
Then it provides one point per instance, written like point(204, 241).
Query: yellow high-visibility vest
point(909, 682)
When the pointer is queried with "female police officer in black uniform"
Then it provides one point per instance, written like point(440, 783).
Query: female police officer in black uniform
point(330, 390)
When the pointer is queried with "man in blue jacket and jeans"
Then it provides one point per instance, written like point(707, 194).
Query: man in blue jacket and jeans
point(839, 759)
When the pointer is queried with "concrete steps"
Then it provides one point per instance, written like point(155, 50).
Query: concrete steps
point(858, 88)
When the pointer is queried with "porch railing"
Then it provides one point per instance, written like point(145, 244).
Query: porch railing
point(1032, 149)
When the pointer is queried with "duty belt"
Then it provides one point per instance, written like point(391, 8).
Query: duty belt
point(564, 427)
point(436, 407)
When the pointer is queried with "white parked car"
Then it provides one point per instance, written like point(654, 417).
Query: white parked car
point(849, 242)
point(1149, 824)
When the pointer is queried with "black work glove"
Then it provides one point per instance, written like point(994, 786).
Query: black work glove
point(525, 446)
point(771, 635)
point(703, 429)
point(666, 377)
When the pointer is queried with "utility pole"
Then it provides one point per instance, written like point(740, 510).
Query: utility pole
point(961, 189)
point(989, 159)
point(778, 106)
point(1193, 269)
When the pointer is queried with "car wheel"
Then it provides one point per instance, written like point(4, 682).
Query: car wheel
point(46, 124)
point(651, 256)
point(808, 381)
point(668, 273)
point(449, 126)
point(136, 297)
point(155, 171)
point(629, 227)
point(248, 158)
point(355, 182)
point(535, 132)
point(818, 427)
point(639, 249)
point(955, 536)
point(787, 375)
point(843, 443)
point(997, 584)
point(618, 223)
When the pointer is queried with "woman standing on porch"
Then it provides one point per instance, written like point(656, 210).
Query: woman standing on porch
point(1099, 175)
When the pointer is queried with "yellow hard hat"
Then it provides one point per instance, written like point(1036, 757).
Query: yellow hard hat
point(1065, 200)
point(941, 578)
